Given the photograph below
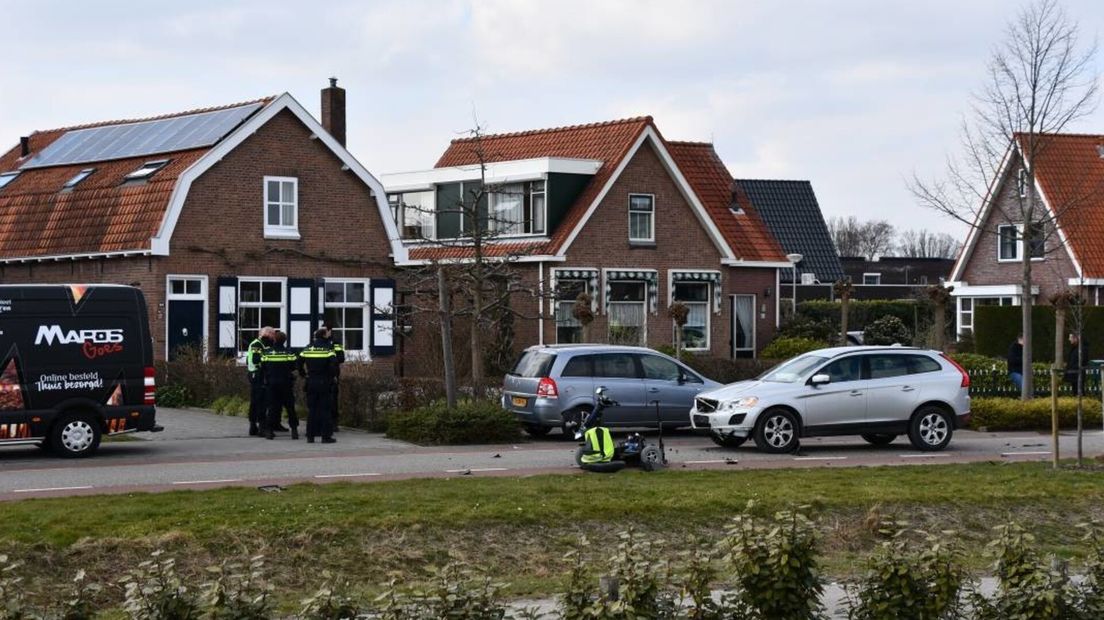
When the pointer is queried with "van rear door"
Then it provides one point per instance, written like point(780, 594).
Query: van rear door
point(521, 383)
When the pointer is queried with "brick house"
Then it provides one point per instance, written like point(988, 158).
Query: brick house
point(228, 219)
point(618, 211)
point(1069, 186)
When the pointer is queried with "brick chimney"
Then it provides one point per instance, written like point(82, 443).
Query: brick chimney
point(333, 110)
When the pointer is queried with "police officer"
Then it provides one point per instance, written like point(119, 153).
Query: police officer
point(257, 393)
point(339, 351)
point(278, 365)
point(318, 363)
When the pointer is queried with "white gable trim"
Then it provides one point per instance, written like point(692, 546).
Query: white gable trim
point(987, 205)
point(672, 169)
point(159, 244)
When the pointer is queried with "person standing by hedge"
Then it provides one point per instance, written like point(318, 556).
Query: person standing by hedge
point(1015, 362)
point(1075, 358)
point(258, 405)
point(318, 363)
point(278, 365)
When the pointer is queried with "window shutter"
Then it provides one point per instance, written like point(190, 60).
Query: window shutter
point(382, 336)
point(227, 316)
point(302, 311)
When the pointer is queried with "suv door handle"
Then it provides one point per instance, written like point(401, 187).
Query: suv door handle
point(908, 388)
point(856, 392)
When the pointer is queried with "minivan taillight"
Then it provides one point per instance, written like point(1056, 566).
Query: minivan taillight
point(965, 375)
point(547, 388)
point(149, 389)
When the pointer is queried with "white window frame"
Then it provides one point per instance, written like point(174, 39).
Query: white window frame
point(962, 327)
point(651, 228)
point(365, 306)
point(876, 276)
point(260, 304)
point(708, 303)
point(185, 296)
point(281, 231)
point(643, 305)
point(1019, 245)
point(398, 210)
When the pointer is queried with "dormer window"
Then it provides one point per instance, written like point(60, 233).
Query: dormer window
point(147, 170)
point(7, 177)
point(77, 178)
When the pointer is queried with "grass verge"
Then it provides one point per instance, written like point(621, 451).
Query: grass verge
point(519, 528)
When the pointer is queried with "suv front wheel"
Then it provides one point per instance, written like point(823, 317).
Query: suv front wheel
point(776, 432)
point(930, 429)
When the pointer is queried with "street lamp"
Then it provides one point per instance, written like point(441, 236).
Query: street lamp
point(794, 260)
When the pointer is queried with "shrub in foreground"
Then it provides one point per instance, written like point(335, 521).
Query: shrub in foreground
point(1013, 414)
point(785, 348)
point(470, 422)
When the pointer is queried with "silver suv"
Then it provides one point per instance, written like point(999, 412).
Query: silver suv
point(876, 392)
point(553, 387)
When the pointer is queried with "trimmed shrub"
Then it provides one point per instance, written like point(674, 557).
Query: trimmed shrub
point(174, 396)
point(864, 312)
point(812, 328)
point(1013, 414)
point(471, 422)
point(231, 405)
point(726, 370)
point(887, 330)
point(362, 396)
point(200, 381)
point(785, 348)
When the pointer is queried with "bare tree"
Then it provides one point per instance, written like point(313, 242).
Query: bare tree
point(926, 244)
point(470, 277)
point(854, 237)
point(1039, 80)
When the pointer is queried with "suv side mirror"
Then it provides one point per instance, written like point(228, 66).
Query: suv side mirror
point(821, 379)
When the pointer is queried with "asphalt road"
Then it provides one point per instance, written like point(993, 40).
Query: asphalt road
point(203, 450)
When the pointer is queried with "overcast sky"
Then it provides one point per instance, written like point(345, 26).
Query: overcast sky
point(851, 95)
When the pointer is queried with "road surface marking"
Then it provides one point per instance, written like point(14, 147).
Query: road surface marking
point(345, 475)
point(710, 462)
point(51, 489)
point(924, 456)
point(820, 458)
point(206, 481)
point(1036, 453)
point(475, 469)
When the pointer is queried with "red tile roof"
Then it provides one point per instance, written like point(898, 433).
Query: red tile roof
point(610, 142)
point(1070, 170)
point(745, 232)
point(101, 214)
point(513, 249)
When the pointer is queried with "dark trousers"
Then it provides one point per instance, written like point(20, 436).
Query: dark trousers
point(333, 404)
point(258, 400)
point(281, 396)
point(319, 409)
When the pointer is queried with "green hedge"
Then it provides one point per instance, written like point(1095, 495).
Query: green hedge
point(1011, 414)
point(995, 327)
point(471, 422)
point(863, 312)
point(785, 348)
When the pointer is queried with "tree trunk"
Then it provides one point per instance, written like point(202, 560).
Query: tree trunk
point(477, 337)
point(446, 337)
point(845, 311)
point(1080, 387)
point(1026, 303)
point(939, 325)
point(1056, 370)
point(678, 341)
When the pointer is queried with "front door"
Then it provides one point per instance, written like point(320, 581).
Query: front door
point(187, 303)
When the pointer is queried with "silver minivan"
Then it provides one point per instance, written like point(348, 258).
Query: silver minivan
point(553, 386)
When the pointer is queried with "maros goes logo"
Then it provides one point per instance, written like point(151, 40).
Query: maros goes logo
point(94, 342)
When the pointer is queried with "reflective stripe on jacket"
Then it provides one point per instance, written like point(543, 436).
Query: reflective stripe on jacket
point(599, 445)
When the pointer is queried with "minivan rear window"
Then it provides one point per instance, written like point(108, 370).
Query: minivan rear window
point(533, 364)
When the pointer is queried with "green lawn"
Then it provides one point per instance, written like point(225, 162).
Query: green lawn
point(519, 528)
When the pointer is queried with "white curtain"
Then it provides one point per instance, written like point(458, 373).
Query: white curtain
point(507, 213)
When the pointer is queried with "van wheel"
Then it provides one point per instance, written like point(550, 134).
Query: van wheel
point(930, 429)
point(572, 420)
point(776, 432)
point(75, 435)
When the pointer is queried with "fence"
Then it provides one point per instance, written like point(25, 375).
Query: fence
point(995, 383)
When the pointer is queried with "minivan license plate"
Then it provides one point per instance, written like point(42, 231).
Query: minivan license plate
point(519, 401)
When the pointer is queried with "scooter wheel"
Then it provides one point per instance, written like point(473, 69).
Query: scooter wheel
point(651, 459)
point(579, 455)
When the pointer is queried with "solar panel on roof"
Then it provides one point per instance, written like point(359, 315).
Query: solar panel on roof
point(142, 138)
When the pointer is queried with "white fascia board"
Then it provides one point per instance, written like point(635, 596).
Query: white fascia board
point(535, 258)
point(990, 290)
point(736, 262)
point(680, 181)
point(497, 173)
point(56, 258)
point(987, 205)
point(1085, 282)
point(159, 244)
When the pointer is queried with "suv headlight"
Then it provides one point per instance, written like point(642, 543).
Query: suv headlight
point(742, 403)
